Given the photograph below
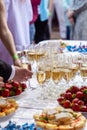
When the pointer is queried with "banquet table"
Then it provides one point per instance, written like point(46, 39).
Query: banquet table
point(30, 102)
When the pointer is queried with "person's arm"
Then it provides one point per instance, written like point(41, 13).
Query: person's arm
point(78, 6)
point(6, 35)
point(50, 7)
point(5, 70)
point(66, 6)
point(13, 72)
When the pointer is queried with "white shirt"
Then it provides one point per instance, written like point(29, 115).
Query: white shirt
point(12, 73)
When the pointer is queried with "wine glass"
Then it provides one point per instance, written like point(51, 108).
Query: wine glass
point(40, 52)
point(31, 53)
point(40, 73)
point(66, 73)
point(47, 68)
point(83, 73)
point(40, 77)
point(56, 75)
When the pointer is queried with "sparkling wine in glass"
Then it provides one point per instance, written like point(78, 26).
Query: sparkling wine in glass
point(40, 77)
point(67, 75)
point(56, 75)
point(83, 72)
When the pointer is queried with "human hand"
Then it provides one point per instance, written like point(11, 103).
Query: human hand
point(70, 13)
point(1, 82)
point(22, 74)
point(72, 20)
point(17, 62)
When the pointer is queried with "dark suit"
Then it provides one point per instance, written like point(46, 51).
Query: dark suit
point(5, 70)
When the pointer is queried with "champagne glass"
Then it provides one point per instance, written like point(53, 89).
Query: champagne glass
point(31, 53)
point(74, 68)
point(67, 74)
point(39, 51)
point(56, 75)
point(47, 68)
point(55, 46)
point(56, 70)
point(32, 58)
point(40, 77)
point(40, 73)
point(83, 73)
point(27, 65)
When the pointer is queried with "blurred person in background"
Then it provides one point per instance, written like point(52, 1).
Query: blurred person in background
point(19, 13)
point(8, 72)
point(78, 17)
point(35, 4)
point(58, 6)
point(41, 24)
point(67, 4)
point(6, 37)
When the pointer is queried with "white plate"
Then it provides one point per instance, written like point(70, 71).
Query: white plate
point(84, 114)
point(7, 117)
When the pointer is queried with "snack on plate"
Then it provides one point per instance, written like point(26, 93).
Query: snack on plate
point(60, 119)
point(7, 106)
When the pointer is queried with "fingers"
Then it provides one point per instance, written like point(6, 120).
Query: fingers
point(1, 82)
point(24, 79)
point(28, 74)
point(22, 74)
point(1, 78)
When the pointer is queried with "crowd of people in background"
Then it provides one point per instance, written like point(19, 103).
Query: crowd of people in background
point(30, 21)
